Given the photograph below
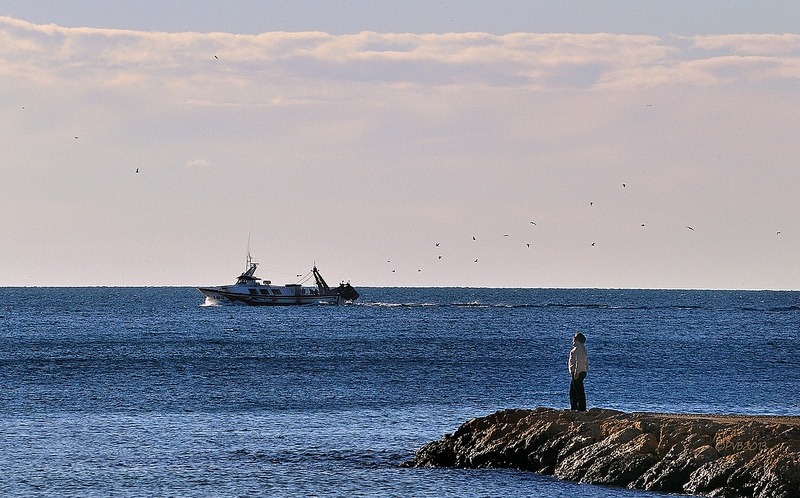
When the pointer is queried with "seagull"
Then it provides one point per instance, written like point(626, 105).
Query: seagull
point(690, 228)
point(440, 257)
point(592, 244)
point(76, 138)
point(623, 185)
point(533, 223)
point(505, 235)
point(649, 105)
point(528, 245)
point(216, 57)
point(777, 233)
point(642, 224)
point(437, 244)
point(591, 203)
point(137, 171)
point(476, 260)
point(473, 237)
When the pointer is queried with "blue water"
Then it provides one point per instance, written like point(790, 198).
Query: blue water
point(146, 392)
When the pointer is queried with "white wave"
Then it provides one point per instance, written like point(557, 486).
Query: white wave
point(210, 301)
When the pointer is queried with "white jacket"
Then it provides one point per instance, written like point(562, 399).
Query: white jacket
point(577, 359)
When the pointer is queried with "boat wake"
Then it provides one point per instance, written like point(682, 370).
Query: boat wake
point(210, 301)
point(379, 304)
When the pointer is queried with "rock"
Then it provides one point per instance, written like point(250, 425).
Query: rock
point(625, 463)
point(673, 471)
point(592, 462)
point(711, 455)
point(712, 477)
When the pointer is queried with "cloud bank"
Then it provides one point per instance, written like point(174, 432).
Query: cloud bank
point(107, 58)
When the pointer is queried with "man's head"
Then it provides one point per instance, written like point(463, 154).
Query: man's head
point(579, 338)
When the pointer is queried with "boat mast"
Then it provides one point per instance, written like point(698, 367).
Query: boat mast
point(249, 258)
point(250, 270)
point(321, 284)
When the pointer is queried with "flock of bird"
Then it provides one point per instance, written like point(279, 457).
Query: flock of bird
point(528, 245)
point(533, 223)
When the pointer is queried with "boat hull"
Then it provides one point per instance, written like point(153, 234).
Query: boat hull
point(231, 297)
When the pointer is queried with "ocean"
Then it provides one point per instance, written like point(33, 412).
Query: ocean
point(129, 392)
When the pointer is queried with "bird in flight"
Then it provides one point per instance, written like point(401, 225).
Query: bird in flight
point(476, 260)
point(591, 203)
point(690, 228)
point(437, 244)
point(592, 244)
point(533, 223)
point(473, 237)
point(216, 57)
point(528, 245)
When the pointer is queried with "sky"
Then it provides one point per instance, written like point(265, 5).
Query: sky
point(608, 144)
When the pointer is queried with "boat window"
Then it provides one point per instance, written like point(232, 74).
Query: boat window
point(277, 292)
point(253, 292)
point(265, 292)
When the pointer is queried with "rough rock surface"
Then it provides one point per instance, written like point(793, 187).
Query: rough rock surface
point(712, 455)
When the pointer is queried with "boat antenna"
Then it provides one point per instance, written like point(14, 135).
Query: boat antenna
point(249, 258)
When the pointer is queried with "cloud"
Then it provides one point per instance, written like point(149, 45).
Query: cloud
point(198, 163)
point(194, 62)
point(750, 44)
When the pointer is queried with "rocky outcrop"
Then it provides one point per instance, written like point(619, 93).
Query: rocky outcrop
point(727, 456)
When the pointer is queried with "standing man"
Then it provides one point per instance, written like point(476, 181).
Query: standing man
point(578, 366)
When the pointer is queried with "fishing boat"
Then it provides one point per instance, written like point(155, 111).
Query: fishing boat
point(254, 291)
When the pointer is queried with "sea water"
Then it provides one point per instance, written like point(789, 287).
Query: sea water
point(146, 392)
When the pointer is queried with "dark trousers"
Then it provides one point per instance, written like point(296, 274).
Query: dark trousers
point(577, 396)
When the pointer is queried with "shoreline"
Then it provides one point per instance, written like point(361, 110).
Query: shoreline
point(701, 454)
